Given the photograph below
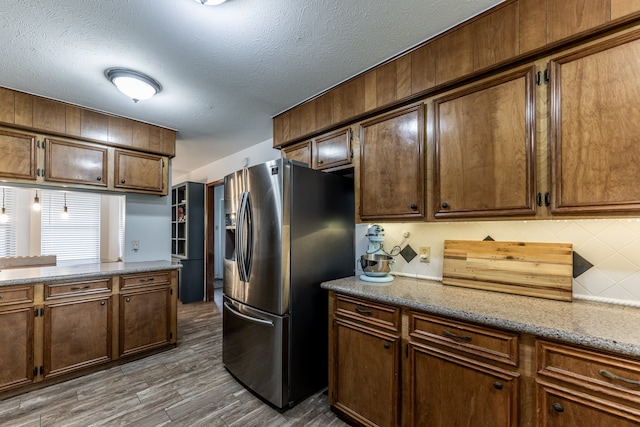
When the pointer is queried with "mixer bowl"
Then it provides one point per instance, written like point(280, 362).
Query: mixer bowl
point(376, 265)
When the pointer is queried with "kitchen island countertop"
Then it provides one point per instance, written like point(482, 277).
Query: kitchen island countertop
point(601, 326)
point(23, 276)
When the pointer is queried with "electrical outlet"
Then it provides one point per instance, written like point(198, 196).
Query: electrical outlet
point(425, 253)
point(135, 245)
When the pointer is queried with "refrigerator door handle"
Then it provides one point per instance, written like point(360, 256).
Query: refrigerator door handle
point(249, 318)
point(239, 263)
point(244, 237)
point(248, 255)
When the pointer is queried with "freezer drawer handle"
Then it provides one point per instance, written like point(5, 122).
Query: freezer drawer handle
point(249, 318)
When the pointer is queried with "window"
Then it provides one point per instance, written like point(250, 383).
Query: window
point(8, 228)
point(76, 237)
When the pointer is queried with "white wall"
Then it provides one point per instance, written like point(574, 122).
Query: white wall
point(217, 170)
point(148, 220)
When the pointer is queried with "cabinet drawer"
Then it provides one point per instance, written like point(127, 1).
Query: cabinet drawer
point(16, 295)
point(489, 343)
point(67, 289)
point(590, 369)
point(380, 315)
point(146, 279)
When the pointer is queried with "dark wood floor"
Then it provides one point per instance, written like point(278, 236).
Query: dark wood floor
point(185, 386)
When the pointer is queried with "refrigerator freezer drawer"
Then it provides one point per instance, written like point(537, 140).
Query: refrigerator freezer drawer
point(255, 350)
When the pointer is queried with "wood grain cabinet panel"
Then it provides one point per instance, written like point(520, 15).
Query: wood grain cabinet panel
point(23, 109)
point(139, 171)
point(49, 115)
point(484, 163)
point(348, 100)
point(308, 117)
point(145, 319)
point(392, 165)
point(77, 334)
point(454, 54)
point(75, 162)
point(495, 37)
point(120, 131)
point(332, 150)
point(18, 158)
point(162, 140)
point(94, 125)
point(16, 351)
point(532, 21)
point(595, 123)
point(423, 68)
point(451, 390)
point(301, 152)
point(7, 106)
point(568, 17)
point(620, 8)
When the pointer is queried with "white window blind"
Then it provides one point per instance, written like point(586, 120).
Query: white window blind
point(8, 229)
point(78, 236)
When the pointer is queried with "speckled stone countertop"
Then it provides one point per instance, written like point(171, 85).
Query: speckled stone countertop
point(609, 327)
point(22, 276)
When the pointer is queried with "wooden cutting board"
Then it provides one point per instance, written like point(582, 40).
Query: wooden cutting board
point(525, 268)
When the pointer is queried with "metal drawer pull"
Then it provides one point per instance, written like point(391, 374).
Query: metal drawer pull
point(557, 407)
point(364, 312)
point(75, 288)
point(613, 376)
point(446, 333)
point(150, 279)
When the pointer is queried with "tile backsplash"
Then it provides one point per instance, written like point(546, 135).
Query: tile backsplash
point(611, 245)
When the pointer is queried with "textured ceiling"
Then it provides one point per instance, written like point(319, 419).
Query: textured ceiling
point(225, 70)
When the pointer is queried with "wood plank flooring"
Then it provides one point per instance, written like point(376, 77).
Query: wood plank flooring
point(185, 386)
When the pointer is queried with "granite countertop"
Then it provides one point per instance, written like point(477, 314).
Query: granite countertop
point(602, 326)
point(22, 276)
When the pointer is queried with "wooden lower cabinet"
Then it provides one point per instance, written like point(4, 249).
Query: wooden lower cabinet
point(145, 313)
point(366, 374)
point(450, 390)
point(77, 334)
point(16, 351)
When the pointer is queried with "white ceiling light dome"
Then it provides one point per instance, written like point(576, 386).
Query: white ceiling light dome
point(134, 84)
point(211, 2)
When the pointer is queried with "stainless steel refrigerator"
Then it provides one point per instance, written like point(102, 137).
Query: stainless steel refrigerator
point(288, 228)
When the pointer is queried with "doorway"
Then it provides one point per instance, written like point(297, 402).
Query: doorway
point(215, 231)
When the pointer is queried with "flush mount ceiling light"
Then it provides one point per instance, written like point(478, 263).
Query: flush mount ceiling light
point(134, 84)
point(211, 2)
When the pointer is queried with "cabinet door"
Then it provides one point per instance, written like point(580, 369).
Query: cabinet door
point(75, 163)
point(595, 123)
point(144, 319)
point(77, 334)
point(333, 149)
point(16, 351)
point(138, 171)
point(18, 158)
point(392, 165)
point(564, 407)
point(484, 163)
point(366, 368)
point(448, 390)
point(299, 152)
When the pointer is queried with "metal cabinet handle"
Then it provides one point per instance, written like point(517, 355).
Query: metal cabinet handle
point(612, 376)
point(557, 407)
point(102, 302)
point(320, 162)
point(99, 178)
point(498, 385)
point(1, 296)
point(413, 206)
point(387, 345)
point(122, 181)
point(446, 333)
point(445, 205)
point(150, 279)
point(127, 299)
point(364, 312)
point(75, 288)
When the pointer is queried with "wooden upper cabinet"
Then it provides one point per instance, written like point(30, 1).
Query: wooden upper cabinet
point(162, 140)
point(74, 162)
point(18, 159)
point(94, 125)
point(532, 19)
point(7, 106)
point(484, 162)
point(324, 110)
point(595, 123)
point(388, 83)
point(495, 37)
point(392, 165)
point(620, 8)
point(568, 17)
point(423, 68)
point(348, 100)
point(308, 117)
point(300, 152)
point(139, 171)
point(49, 115)
point(119, 131)
point(333, 149)
point(454, 54)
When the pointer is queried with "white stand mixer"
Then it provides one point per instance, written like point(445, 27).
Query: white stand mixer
point(376, 263)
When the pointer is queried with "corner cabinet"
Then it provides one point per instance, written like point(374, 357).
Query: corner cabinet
point(484, 150)
point(187, 238)
point(330, 151)
point(392, 165)
point(595, 123)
